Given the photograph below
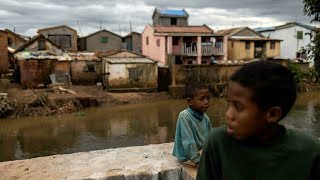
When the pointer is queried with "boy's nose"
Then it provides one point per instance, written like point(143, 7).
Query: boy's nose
point(229, 114)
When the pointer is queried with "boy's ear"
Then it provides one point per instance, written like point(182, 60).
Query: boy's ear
point(274, 114)
point(189, 101)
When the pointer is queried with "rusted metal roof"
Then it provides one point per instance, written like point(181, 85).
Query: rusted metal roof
point(128, 60)
point(183, 29)
point(84, 56)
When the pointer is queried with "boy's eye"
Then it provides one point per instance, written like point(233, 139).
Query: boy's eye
point(238, 106)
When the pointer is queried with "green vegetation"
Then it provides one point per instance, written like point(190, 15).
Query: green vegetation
point(6, 107)
point(295, 70)
point(312, 9)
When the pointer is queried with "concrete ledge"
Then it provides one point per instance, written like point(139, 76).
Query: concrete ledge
point(139, 162)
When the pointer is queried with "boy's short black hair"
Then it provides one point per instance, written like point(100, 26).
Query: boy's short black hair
point(193, 88)
point(271, 84)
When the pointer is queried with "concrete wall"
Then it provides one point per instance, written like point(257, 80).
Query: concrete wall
point(136, 42)
point(215, 76)
point(62, 31)
point(93, 43)
point(131, 76)
point(4, 59)
point(81, 72)
point(239, 51)
point(140, 162)
point(166, 21)
point(273, 52)
point(152, 50)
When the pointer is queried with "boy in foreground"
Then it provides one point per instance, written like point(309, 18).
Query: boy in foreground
point(193, 125)
point(253, 145)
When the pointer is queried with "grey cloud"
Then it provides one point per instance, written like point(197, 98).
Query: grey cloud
point(27, 16)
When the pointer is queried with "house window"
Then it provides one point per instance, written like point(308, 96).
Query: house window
point(247, 45)
point(9, 41)
point(147, 40)
point(175, 41)
point(272, 45)
point(89, 68)
point(232, 44)
point(299, 34)
point(42, 44)
point(173, 21)
point(104, 39)
point(158, 42)
point(63, 41)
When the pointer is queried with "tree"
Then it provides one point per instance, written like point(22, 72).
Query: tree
point(312, 9)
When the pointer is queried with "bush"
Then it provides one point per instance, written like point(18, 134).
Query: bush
point(295, 70)
point(6, 107)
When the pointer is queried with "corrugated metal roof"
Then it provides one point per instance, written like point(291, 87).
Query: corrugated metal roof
point(261, 29)
point(173, 12)
point(128, 60)
point(253, 38)
point(183, 29)
point(289, 24)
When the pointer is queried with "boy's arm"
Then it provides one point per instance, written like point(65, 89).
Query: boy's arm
point(188, 140)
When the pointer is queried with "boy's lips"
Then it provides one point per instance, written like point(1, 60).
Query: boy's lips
point(230, 130)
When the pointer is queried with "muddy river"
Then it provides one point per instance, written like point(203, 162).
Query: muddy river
point(121, 126)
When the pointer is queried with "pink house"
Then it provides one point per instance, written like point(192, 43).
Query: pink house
point(189, 44)
point(171, 37)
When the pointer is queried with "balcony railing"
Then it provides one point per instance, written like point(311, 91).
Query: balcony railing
point(206, 49)
point(190, 50)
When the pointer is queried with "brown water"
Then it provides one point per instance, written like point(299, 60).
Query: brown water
point(121, 126)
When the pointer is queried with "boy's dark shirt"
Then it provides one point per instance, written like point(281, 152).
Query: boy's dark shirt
point(294, 156)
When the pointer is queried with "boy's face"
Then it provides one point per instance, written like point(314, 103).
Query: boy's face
point(200, 101)
point(244, 119)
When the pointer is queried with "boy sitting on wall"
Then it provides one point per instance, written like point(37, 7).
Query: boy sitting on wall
point(193, 125)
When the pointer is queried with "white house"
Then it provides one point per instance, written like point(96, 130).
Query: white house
point(294, 36)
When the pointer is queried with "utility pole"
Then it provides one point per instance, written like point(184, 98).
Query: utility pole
point(100, 25)
point(130, 27)
point(79, 28)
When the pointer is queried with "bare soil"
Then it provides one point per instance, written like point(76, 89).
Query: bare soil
point(51, 101)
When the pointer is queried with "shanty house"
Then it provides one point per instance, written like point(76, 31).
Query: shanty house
point(4, 60)
point(37, 59)
point(85, 68)
point(15, 40)
point(102, 40)
point(128, 71)
point(133, 42)
point(63, 36)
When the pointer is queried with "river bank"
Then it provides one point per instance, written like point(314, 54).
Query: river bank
point(61, 100)
point(20, 102)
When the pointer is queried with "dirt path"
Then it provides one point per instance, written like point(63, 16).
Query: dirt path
point(50, 101)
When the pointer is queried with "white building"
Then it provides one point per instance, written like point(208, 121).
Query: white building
point(294, 36)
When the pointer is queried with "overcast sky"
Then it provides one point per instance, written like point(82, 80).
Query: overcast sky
point(87, 16)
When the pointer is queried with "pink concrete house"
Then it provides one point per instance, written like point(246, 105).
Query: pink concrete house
point(171, 37)
point(189, 44)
